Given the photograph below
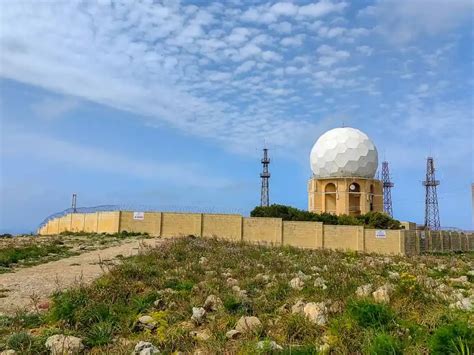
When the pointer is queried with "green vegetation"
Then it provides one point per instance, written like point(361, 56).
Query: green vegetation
point(31, 253)
point(167, 282)
point(288, 213)
point(27, 250)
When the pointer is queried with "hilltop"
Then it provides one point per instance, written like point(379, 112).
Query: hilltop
point(209, 296)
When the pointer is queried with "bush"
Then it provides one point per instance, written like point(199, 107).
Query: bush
point(384, 344)
point(288, 213)
point(371, 315)
point(100, 334)
point(20, 341)
point(454, 338)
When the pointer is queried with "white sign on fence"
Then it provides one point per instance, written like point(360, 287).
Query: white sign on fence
point(380, 234)
point(139, 216)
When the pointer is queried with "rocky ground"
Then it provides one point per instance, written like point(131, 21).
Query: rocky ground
point(206, 296)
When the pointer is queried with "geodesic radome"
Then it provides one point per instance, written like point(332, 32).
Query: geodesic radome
point(344, 152)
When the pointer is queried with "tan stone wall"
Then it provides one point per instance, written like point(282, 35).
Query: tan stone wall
point(341, 237)
point(393, 243)
point(262, 230)
point(77, 222)
point(151, 223)
point(180, 224)
point(108, 222)
point(91, 222)
point(303, 234)
point(225, 226)
point(64, 223)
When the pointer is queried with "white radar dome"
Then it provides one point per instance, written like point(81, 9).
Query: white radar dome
point(344, 152)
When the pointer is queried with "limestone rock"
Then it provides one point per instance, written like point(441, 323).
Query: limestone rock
point(212, 303)
point(316, 312)
point(298, 307)
point(459, 280)
point(320, 282)
point(198, 315)
point(296, 283)
point(145, 348)
point(203, 260)
point(303, 276)
point(382, 294)
point(201, 335)
point(147, 322)
point(393, 275)
point(60, 344)
point(8, 352)
point(268, 345)
point(232, 282)
point(248, 324)
point(364, 290)
point(232, 334)
point(464, 304)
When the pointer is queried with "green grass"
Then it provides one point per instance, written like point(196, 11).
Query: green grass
point(31, 253)
point(415, 321)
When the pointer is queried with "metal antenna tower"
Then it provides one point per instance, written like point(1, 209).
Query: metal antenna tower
point(265, 175)
point(74, 203)
point(431, 197)
point(387, 189)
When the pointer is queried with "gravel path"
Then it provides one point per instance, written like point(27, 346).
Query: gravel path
point(19, 288)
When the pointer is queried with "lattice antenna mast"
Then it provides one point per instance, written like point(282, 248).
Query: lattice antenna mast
point(74, 203)
point(431, 197)
point(265, 175)
point(387, 189)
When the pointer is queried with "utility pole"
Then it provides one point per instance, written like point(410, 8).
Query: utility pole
point(265, 175)
point(431, 197)
point(387, 189)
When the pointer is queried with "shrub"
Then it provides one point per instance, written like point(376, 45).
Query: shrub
point(385, 344)
point(21, 341)
point(454, 338)
point(371, 315)
point(288, 213)
point(100, 334)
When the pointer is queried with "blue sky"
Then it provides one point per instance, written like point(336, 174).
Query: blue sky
point(167, 103)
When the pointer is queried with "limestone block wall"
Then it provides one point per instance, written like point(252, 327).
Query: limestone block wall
point(180, 224)
point(91, 222)
point(148, 222)
point(393, 242)
point(342, 237)
point(303, 234)
point(274, 231)
point(225, 226)
point(262, 230)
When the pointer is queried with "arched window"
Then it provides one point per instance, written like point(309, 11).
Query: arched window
point(354, 199)
point(330, 198)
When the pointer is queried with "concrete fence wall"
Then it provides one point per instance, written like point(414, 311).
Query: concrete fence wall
point(272, 231)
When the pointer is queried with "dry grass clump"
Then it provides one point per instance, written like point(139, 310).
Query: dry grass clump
point(166, 283)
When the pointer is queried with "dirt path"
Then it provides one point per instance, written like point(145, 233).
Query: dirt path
point(42, 280)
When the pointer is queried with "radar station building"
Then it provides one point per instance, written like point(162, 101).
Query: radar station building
point(344, 162)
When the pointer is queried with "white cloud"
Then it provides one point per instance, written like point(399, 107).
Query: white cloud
point(292, 41)
point(321, 8)
point(330, 56)
point(51, 150)
point(52, 108)
point(403, 21)
point(365, 50)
